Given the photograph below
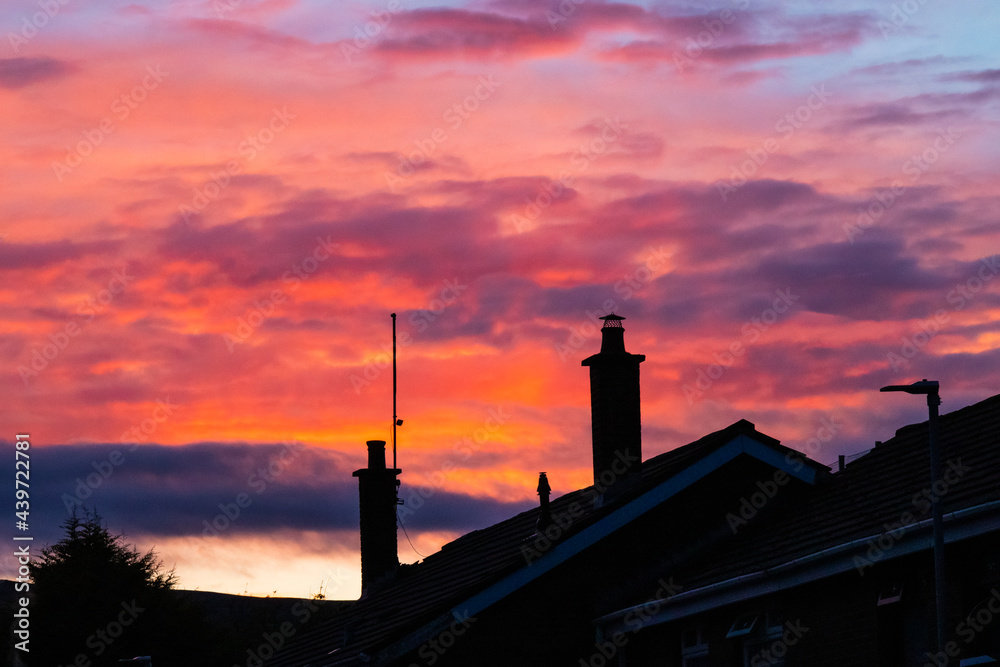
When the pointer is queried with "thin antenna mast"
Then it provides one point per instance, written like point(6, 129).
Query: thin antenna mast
point(394, 420)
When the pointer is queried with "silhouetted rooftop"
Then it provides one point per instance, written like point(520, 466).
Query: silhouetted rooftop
point(873, 490)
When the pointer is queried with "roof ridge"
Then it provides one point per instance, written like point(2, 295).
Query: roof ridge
point(948, 417)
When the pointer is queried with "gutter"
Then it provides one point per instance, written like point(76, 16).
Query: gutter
point(962, 524)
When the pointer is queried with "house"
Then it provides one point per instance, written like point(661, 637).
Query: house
point(842, 574)
point(731, 550)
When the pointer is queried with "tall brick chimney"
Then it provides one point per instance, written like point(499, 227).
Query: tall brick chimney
point(377, 491)
point(614, 409)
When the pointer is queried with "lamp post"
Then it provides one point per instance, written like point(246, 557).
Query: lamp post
point(930, 388)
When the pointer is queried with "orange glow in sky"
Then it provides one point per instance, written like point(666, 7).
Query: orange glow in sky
point(208, 218)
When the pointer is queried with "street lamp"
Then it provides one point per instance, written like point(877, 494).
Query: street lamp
point(930, 388)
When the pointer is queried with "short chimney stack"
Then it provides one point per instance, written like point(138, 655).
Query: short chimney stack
point(544, 511)
point(377, 492)
point(615, 418)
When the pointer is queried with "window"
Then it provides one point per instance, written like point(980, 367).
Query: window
point(694, 649)
point(743, 625)
point(889, 593)
point(762, 644)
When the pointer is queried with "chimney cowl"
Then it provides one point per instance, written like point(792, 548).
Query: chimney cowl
point(543, 489)
point(613, 335)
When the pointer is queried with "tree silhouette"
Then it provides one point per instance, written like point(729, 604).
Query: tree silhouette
point(96, 600)
point(96, 596)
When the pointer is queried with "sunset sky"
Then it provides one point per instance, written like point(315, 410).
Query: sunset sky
point(211, 207)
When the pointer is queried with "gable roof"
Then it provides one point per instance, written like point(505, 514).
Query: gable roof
point(482, 567)
point(830, 530)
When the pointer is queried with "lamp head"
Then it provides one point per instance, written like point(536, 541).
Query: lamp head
point(920, 387)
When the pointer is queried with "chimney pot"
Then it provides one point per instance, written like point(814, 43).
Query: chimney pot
point(376, 454)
